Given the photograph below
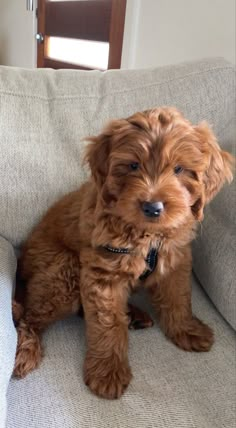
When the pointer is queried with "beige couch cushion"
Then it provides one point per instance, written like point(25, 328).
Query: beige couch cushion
point(7, 330)
point(45, 114)
point(170, 388)
point(214, 251)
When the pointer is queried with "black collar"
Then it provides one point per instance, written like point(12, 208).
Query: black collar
point(117, 250)
point(151, 259)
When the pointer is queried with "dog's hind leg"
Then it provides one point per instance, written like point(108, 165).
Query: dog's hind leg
point(29, 349)
point(17, 311)
point(50, 295)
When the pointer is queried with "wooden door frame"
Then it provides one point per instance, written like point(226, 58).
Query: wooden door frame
point(116, 33)
point(117, 22)
point(41, 30)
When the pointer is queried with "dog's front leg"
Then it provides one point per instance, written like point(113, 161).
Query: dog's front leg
point(106, 368)
point(172, 300)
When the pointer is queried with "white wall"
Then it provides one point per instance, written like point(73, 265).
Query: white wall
point(17, 31)
point(157, 32)
point(160, 32)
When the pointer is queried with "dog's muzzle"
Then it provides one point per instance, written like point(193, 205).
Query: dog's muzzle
point(152, 209)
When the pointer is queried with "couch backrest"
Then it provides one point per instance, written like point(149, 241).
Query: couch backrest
point(45, 114)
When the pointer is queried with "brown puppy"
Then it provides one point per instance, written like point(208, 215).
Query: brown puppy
point(130, 225)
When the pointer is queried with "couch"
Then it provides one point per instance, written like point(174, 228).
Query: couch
point(44, 116)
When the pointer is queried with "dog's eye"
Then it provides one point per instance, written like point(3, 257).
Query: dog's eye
point(134, 166)
point(178, 169)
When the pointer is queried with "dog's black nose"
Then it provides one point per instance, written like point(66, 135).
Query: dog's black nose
point(152, 209)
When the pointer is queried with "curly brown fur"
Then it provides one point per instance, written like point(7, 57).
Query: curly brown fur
point(64, 262)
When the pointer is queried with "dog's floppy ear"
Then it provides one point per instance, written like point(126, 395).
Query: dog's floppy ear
point(96, 155)
point(98, 151)
point(219, 164)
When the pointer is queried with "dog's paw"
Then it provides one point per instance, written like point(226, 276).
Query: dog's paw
point(106, 380)
point(28, 354)
point(196, 336)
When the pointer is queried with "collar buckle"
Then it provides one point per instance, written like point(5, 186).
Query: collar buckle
point(151, 259)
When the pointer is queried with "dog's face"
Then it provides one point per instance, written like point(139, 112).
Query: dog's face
point(157, 171)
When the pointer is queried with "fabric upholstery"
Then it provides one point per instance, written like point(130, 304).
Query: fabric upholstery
point(44, 116)
point(7, 330)
point(214, 254)
point(170, 388)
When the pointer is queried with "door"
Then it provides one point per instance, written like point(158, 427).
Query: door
point(85, 34)
point(17, 33)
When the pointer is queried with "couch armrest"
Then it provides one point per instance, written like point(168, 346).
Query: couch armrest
point(214, 249)
point(8, 337)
